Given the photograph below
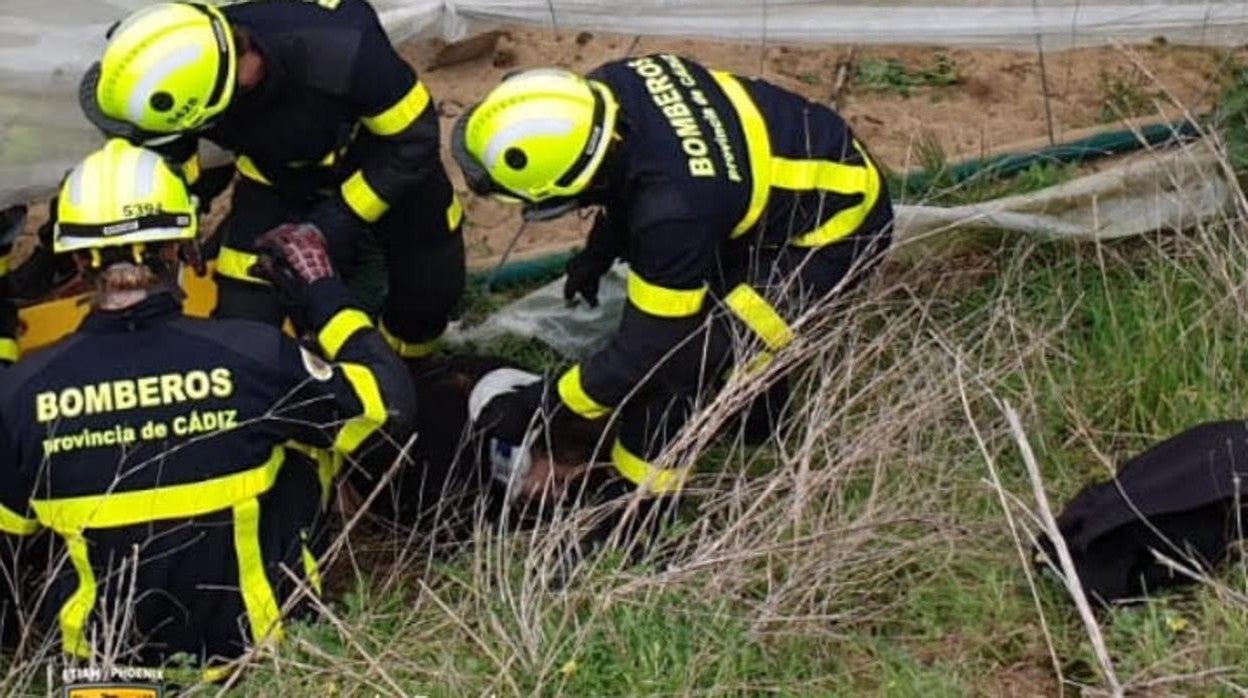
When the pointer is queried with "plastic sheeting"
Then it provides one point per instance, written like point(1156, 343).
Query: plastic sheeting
point(46, 45)
point(1166, 190)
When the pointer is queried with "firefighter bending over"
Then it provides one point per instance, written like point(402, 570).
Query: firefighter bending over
point(719, 191)
point(183, 464)
point(329, 126)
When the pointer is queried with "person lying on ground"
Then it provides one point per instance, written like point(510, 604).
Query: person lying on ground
point(184, 465)
point(719, 191)
point(329, 126)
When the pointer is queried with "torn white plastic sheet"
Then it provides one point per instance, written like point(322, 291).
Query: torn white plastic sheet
point(1173, 189)
point(46, 45)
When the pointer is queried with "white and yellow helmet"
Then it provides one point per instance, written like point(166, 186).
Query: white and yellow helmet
point(168, 68)
point(122, 195)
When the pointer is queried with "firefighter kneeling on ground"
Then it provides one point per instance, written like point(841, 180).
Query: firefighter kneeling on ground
point(184, 464)
point(328, 125)
point(718, 190)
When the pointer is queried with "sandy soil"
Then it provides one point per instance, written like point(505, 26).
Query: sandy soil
point(999, 103)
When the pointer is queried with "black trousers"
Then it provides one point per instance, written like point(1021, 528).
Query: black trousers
point(419, 238)
point(792, 280)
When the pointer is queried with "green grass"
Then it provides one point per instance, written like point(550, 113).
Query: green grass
point(1141, 340)
point(891, 76)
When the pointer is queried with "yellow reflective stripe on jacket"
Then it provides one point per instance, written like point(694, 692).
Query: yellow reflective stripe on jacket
point(662, 301)
point(16, 524)
point(9, 350)
point(262, 611)
point(77, 609)
point(357, 429)
point(4, 266)
point(407, 350)
point(363, 199)
point(645, 475)
point(236, 264)
point(402, 114)
point(572, 393)
point(191, 169)
point(837, 177)
point(454, 213)
point(311, 569)
point(341, 327)
point(759, 316)
point(73, 514)
point(247, 168)
point(757, 144)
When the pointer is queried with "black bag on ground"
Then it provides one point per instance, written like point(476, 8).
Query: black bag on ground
point(1181, 498)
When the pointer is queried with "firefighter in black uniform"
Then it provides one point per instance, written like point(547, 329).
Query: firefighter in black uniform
point(719, 191)
point(184, 464)
point(328, 125)
point(11, 223)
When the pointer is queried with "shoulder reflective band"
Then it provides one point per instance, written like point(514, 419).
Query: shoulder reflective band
point(405, 349)
point(76, 611)
point(247, 168)
point(341, 327)
point(363, 199)
point(9, 350)
point(662, 301)
point(373, 413)
point(253, 583)
point(14, 523)
point(837, 177)
point(573, 394)
point(454, 213)
point(117, 509)
point(757, 144)
point(236, 264)
point(759, 316)
point(401, 114)
point(645, 475)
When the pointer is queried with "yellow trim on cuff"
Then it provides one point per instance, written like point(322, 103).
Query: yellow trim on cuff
point(236, 264)
point(405, 349)
point(760, 316)
point(402, 114)
point(645, 475)
point(363, 199)
point(572, 393)
point(10, 351)
point(340, 328)
point(359, 428)
point(662, 301)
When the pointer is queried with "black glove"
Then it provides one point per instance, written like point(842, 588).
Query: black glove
point(12, 221)
point(293, 257)
point(341, 228)
point(586, 268)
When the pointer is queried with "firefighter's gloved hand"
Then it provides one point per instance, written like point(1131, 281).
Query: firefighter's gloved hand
point(12, 221)
point(293, 257)
point(341, 228)
point(602, 246)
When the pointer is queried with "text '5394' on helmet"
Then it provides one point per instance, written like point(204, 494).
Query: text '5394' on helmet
point(539, 134)
point(122, 195)
point(168, 68)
